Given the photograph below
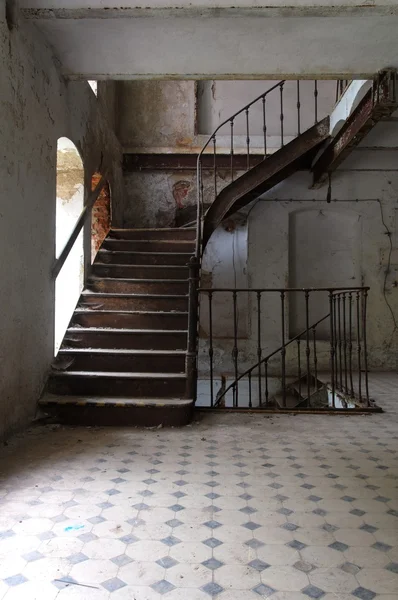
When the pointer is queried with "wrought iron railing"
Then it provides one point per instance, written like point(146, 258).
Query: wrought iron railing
point(194, 267)
point(212, 146)
point(328, 354)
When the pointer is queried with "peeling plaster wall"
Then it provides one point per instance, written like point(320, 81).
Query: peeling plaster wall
point(166, 117)
point(36, 108)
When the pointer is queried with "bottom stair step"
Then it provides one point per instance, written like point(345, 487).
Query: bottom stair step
point(118, 411)
point(132, 385)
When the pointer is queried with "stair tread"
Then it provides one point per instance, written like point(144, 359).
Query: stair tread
point(119, 374)
point(110, 265)
point(124, 330)
point(131, 295)
point(119, 401)
point(150, 241)
point(140, 252)
point(157, 313)
point(95, 279)
point(151, 229)
point(122, 351)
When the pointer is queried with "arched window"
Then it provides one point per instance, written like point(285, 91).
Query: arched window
point(70, 203)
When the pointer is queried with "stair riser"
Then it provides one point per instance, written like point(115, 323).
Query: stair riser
point(153, 234)
point(110, 340)
point(151, 363)
point(136, 416)
point(128, 321)
point(144, 258)
point(150, 246)
point(137, 287)
point(116, 386)
point(115, 303)
point(140, 272)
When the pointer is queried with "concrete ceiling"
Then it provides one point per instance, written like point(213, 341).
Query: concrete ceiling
point(100, 39)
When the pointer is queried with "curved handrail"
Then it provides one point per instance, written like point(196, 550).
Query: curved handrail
point(267, 358)
point(232, 117)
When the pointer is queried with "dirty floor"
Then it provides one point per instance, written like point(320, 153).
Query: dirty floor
point(234, 507)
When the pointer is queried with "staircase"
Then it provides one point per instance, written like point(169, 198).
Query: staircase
point(297, 154)
point(122, 360)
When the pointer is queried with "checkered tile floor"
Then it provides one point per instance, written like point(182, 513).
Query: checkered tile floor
point(235, 507)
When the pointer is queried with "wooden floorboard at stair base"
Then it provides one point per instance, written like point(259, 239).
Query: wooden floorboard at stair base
point(122, 360)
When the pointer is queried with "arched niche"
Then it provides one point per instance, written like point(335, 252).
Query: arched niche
point(324, 252)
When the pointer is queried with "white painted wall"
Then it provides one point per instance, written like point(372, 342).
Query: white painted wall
point(36, 108)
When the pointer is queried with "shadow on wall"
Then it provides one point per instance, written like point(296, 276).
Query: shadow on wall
point(70, 203)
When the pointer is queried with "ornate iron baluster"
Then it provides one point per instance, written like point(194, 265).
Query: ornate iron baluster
point(315, 358)
point(215, 165)
point(232, 149)
point(359, 348)
point(264, 127)
point(283, 350)
point(365, 347)
point(332, 347)
point(340, 342)
point(350, 345)
point(211, 350)
point(298, 108)
point(307, 345)
point(299, 365)
point(247, 138)
point(235, 351)
point(316, 100)
point(281, 115)
point(259, 352)
point(345, 345)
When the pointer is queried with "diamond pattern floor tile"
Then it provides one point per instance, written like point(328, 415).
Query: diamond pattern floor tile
point(235, 506)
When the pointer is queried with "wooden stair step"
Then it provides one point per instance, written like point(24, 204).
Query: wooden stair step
point(130, 319)
point(184, 246)
point(169, 233)
point(122, 411)
point(117, 383)
point(148, 339)
point(157, 272)
point(124, 257)
point(118, 301)
point(110, 284)
point(120, 359)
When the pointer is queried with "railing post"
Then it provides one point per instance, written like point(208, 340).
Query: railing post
point(283, 350)
point(332, 349)
point(191, 360)
point(365, 348)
